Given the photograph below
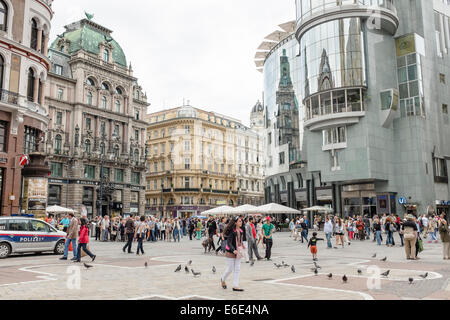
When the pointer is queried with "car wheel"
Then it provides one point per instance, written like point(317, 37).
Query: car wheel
point(59, 249)
point(5, 250)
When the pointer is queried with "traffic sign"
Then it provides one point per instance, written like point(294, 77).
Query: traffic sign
point(402, 200)
point(24, 160)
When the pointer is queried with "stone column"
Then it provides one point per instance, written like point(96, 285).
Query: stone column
point(46, 45)
point(110, 136)
point(125, 138)
point(39, 40)
point(98, 97)
point(42, 93)
point(112, 101)
point(125, 105)
point(36, 89)
point(67, 126)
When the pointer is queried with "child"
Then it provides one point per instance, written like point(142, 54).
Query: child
point(313, 244)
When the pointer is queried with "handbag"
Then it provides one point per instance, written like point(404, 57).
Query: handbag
point(420, 245)
point(241, 252)
point(392, 228)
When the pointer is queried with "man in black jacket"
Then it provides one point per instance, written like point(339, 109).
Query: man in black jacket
point(212, 230)
point(129, 229)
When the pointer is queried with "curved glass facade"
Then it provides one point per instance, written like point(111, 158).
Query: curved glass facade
point(307, 8)
point(281, 96)
point(332, 56)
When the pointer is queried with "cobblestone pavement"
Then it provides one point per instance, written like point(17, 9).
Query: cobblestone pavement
point(118, 275)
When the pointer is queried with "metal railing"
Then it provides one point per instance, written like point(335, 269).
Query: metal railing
point(9, 97)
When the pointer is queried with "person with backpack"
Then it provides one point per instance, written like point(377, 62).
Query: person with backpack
point(410, 234)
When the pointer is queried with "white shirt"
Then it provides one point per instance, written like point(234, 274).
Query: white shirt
point(328, 227)
point(425, 221)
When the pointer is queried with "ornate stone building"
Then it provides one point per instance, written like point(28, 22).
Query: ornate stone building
point(196, 161)
point(96, 120)
point(24, 31)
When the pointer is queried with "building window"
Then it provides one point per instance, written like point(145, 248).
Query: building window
point(88, 123)
point(58, 118)
point(136, 178)
point(105, 86)
point(269, 138)
point(87, 146)
point(102, 127)
point(58, 69)
point(102, 148)
point(118, 175)
point(89, 172)
point(3, 131)
point(3, 16)
point(119, 91)
point(282, 158)
point(442, 78)
point(137, 114)
point(187, 163)
point(56, 169)
point(136, 135)
point(445, 109)
point(104, 102)
point(34, 34)
point(106, 55)
point(334, 136)
point(58, 144)
point(89, 98)
point(60, 94)
point(187, 145)
point(117, 104)
point(136, 156)
point(187, 182)
point(54, 195)
point(410, 85)
point(106, 173)
point(29, 141)
point(440, 170)
point(90, 82)
point(30, 90)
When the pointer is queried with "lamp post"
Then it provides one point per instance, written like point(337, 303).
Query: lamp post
point(102, 160)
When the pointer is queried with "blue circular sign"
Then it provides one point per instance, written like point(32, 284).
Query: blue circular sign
point(402, 200)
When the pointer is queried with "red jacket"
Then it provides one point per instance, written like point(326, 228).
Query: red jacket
point(84, 235)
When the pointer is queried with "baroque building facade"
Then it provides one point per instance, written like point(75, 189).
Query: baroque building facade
point(198, 160)
point(96, 133)
point(24, 31)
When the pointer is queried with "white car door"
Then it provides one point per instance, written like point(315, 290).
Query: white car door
point(20, 235)
point(42, 241)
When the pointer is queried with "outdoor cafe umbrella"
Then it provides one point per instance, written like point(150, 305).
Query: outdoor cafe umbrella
point(58, 209)
point(319, 209)
point(242, 209)
point(218, 211)
point(273, 208)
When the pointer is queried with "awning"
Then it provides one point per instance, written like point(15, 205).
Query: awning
point(289, 27)
point(261, 55)
point(274, 208)
point(267, 45)
point(58, 209)
point(277, 35)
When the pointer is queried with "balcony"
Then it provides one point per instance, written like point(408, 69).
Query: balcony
point(9, 97)
point(380, 14)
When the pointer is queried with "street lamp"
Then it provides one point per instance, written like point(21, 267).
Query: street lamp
point(102, 159)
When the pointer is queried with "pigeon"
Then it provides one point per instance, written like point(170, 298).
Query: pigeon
point(385, 274)
point(344, 278)
point(214, 269)
point(87, 266)
point(146, 264)
point(384, 259)
point(195, 273)
point(411, 280)
point(189, 263)
point(293, 269)
point(330, 276)
point(284, 264)
point(178, 269)
point(252, 263)
point(424, 276)
point(316, 272)
point(359, 271)
point(277, 265)
point(186, 269)
point(317, 266)
point(374, 255)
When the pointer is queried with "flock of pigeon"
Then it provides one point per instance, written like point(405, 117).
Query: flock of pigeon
point(282, 265)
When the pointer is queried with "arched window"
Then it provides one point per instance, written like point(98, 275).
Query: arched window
point(116, 151)
point(43, 42)
point(117, 106)
point(105, 86)
point(119, 91)
point(136, 155)
point(34, 34)
point(106, 55)
point(3, 16)
point(58, 144)
point(87, 146)
point(2, 69)
point(90, 82)
point(89, 98)
point(104, 102)
point(30, 91)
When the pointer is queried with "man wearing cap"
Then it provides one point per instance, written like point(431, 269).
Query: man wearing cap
point(268, 228)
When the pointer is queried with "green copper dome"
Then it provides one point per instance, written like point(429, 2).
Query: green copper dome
point(87, 35)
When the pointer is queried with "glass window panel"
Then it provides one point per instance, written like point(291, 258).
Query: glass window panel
point(412, 72)
point(414, 88)
point(401, 62)
point(417, 105)
point(403, 91)
point(402, 108)
point(412, 59)
point(402, 75)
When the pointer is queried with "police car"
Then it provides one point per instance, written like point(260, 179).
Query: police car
point(26, 235)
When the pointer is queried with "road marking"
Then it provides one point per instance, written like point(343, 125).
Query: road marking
point(173, 298)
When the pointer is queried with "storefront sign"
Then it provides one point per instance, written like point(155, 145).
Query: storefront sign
point(445, 203)
point(402, 200)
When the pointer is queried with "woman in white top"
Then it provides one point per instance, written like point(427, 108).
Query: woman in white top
point(163, 229)
point(259, 232)
point(339, 231)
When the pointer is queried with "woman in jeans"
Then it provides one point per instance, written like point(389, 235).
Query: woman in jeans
point(163, 229)
point(377, 230)
point(83, 241)
point(234, 252)
point(140, 235)
point(389, 226)
point(339, 231)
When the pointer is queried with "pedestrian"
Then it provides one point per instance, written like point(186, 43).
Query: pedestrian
point(292, 227)
point(169, 229)
point(163, 230)
point(98, 228)
point(360, 228)
point(445, 236)
point(176, 230)
point(71, 238)
point(191, 228)
point(339, 231)
point(410, 233)
point(244, 239)
point(250, 230)
point(129, 229)
point(122, 230)
point(377, 230)
point(65, 222)
point(104, 228)
point(199, 229)
point(328, 229)
point(268, 229)
point(140, 232)
point(83, 241)
point(234, 252)
point(390, 229)
point(400, 232)
point(212, 231)
point(424, 226)
point(431, 229)
point(313, 244)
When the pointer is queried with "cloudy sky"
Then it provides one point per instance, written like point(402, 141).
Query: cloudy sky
point(199, 50)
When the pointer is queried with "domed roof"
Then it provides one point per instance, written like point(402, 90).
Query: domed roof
point(87, 35)
point(258, 107)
